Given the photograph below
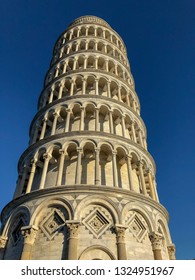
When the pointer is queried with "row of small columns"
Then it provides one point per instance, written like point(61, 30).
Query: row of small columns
point(47, 157)
point(77, 44)
point(51, 91)
point(29, 233)
point(46, 121)
point(58, 71)
point(65, 65)
point(95, 34)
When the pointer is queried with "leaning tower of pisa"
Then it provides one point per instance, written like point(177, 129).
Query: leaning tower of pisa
point(86, 187)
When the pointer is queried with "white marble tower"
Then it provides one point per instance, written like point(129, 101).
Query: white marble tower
point(86, 187)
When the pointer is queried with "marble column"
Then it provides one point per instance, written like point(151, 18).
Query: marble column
point(53, 130)
point(156, 242)
point(96, 87)
point(111, 121)
point(43, 129)
point(78, 167)
point(97, 119)
point(68, 113)
point(140, 137)
point(84, 86)
point(133, 132)
point(108, 89)
point(47, 158)
point(72, 88)
point(61, 167)
point(142, 179)
point(61, 87)
point(73, 228)
point(97, 169)
point(129, 158)
point(123, 125)
point(152, 193)
point(32, 174)
point(29, 233)
point(120, 241)
point(82, 118)
point(114, 167)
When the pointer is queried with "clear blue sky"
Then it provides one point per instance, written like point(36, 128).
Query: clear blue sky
point(160, 43)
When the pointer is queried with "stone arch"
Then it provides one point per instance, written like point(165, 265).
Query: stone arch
point(12, 229)
point(50, 202)
point(70, 163)
point(22, 210)
point(50, 218)
point(101, 201)
point(162, 228)
point(138, 207)
point(166, 234)
point(97, 252)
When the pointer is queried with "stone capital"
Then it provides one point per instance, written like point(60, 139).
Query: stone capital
point(3, 241)
point(62, 152)
point(156, 240)
point(29, 233)
point(47, 156)
point(171, 251)
point(120, 232)
point(73, 228)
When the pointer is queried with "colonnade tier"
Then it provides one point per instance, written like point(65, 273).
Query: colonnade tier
point(86, 115)
point(90, 30)
point(86, 163)
point(86, 44)
point(90, 61)
point(89, 83)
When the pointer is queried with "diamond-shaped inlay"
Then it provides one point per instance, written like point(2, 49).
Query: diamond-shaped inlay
point(97, 223)
point(52, 224)
point(137, 228)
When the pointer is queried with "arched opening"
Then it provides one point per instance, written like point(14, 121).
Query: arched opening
point(52, 170)
point(89, 117)
point(106, 167)
point(104, 119)
point(88, 164)
point(75, 118)
point(70, 163)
